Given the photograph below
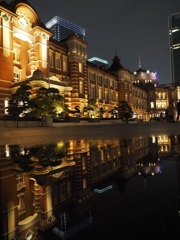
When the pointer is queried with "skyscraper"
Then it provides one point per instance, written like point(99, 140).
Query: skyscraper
point(174, 41)
point(62, 28)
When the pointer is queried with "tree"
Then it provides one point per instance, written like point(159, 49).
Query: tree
point(124, 108)
point(48, 102)
point(49, 155)
point(91, 107)
point(19, 102)
point(76, 111)
point(24, 160)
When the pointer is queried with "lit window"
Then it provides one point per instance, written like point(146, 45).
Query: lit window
point(51, 60)
point(100, 79)
point(21, 204)
point(84, 183)
point(58, 62)
point(102, 155)
point(19, 178)
point(17, 74)
point(100, 93)
point(152, 104)
point(81, 87)
point(7, 151)
point(80, 67)
point(6, 103)
point(84, 165)
point(65, 68)
point(116, 97)
point(106, 81)
point(93, 94)
point(16, 54)
point(106, 95)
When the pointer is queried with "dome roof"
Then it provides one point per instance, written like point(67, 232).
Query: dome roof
point(145, 74)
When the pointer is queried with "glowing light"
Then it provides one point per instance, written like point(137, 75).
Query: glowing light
point(64, 23)
point(175, 30)
point(22, 37)
point(97, 59)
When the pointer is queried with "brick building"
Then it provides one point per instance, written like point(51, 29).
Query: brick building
point(29, 54)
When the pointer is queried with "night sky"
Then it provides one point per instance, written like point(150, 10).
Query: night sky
point(132, 29)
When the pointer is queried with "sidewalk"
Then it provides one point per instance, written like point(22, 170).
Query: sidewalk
point(31, 124)
point(84, 123)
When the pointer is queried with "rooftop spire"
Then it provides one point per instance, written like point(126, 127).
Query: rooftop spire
point(139, 62)
point(115, 51)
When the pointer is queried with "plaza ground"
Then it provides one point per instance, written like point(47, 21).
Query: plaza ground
point(100, 130)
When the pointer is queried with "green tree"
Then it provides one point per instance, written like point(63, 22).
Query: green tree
point(123, 108)
point(20, 102)
point(48, 102)
point(91, 107)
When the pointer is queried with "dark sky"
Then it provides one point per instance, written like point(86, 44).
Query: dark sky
point(130, 28)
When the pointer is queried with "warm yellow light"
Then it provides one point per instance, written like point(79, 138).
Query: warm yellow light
point(22, 37)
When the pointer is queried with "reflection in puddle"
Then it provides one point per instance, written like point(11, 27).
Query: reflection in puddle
point(50, 190)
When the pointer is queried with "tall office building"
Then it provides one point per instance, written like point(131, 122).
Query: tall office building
point(174, 41)
point(62, 28)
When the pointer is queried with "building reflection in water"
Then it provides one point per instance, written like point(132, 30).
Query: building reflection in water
point(51, 186)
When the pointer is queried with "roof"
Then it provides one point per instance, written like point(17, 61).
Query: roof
point(116, 65)
point(145, 74)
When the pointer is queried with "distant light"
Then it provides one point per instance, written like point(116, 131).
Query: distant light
point(175, 30)
point(176, 47)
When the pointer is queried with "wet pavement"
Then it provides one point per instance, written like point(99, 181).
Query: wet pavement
point(147, 208)
point(104, 130)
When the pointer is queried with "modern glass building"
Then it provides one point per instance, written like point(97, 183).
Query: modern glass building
point(174, 41)
point(99, 62)
point(62, 28)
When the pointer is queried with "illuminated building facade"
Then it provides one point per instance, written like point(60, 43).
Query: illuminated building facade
point(29, 54)
point(174, 41)
point(160, 97)
point(62, 29)
point(135, 95)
